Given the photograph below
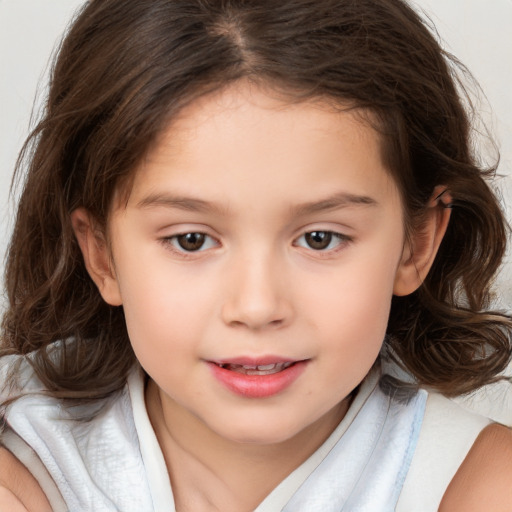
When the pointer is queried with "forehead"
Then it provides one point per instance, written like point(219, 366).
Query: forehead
point(244, 135)
point(241, 108)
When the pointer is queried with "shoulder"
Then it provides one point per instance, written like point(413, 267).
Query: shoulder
point(19, 490)
point(448, 433)
point(484, 480)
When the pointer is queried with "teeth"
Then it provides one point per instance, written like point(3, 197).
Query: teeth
point(262, 369)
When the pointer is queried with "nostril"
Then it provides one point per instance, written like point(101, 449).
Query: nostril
point(256, 306)
point(259, 325)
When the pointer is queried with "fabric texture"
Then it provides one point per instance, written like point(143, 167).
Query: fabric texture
point(366, 468)
point(114, 462)
point(96, 465)
point(447, 434)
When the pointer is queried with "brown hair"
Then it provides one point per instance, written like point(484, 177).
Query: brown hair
point(127, 66)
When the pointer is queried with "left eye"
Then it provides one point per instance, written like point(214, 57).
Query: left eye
point(320, 240)
point(192, 242)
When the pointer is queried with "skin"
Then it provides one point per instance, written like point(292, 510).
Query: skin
point(19, 490)
point(484, 480)
point(256, 175)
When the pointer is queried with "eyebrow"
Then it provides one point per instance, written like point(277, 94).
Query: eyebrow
point(192, 204)
point(334, 202)
point(186, 203)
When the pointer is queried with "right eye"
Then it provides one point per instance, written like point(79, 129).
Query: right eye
point(191, 242)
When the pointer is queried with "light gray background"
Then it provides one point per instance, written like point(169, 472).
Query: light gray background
point(478, 32)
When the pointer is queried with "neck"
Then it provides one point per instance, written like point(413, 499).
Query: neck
point(210, 473)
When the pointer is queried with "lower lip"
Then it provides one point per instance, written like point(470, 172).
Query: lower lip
point(258, 386)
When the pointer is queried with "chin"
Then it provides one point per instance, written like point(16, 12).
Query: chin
point(256, 433)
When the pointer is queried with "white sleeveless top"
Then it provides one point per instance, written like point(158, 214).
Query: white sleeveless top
point(392, 451)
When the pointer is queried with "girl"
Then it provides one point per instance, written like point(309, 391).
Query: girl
point(241, 219)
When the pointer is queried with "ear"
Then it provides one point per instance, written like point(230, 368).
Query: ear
point(421, 249)
point(97, 257)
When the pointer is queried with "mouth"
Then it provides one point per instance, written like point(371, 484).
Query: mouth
point(257, 378)
point(261, 369)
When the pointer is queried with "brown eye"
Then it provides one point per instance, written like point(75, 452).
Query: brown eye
point(191, 241)
point(318, 240)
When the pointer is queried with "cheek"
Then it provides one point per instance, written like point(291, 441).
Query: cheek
point(352, 313)
point(359, 292)
point(165, 307)
point(162, 326)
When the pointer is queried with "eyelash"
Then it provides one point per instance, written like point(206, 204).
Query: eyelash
point(332, 240)
point(327, 237)
point(175, 245)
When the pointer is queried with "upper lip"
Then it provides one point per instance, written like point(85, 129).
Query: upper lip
point(255, 361)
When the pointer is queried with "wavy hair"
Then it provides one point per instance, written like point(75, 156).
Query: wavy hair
point(126, 67)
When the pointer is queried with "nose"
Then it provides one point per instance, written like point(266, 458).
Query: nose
point(258, 296)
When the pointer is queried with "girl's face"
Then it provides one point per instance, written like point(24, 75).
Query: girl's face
point(255, 261)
